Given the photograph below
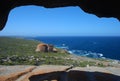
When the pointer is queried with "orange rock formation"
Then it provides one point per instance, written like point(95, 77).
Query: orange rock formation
point(45, 48)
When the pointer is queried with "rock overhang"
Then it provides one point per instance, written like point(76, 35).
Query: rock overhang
point(100, 8)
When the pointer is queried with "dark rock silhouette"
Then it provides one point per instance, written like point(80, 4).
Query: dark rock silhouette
point(58, 73)
point(75, 75)
point(50, 47)
point(101, 8)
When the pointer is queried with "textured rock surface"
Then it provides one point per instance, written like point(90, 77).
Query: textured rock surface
point(58, 73)
point(42, 48)
point(45, 48)
point(12, 73)
point(101, 8)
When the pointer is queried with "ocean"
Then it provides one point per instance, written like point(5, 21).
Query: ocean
point(94, 47)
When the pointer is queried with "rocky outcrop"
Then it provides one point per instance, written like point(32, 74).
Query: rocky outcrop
point(42, 48)
point(45, 48)
point(101, 8)
point(58, 73)
point(12, 73)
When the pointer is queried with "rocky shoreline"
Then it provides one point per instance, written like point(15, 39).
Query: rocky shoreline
point(58, 73)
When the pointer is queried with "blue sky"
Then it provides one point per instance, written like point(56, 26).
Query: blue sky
point(67, 21)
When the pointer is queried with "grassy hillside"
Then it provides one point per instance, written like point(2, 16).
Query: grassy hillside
point(22, 51)
point(19, 51)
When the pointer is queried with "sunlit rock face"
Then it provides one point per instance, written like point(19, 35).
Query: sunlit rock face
point(45, 48)
point(101, 8)
point(42, 48)
point(58, 73)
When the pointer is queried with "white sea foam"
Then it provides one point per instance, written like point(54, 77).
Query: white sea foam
point(81, 52)
point(63, 46)
point(86, 53)
point(101, 55)
point(70, 52)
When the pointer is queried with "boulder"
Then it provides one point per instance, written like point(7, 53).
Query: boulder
point(50, 47)
point(42, 47)
point(45, 48)
point(55, 50)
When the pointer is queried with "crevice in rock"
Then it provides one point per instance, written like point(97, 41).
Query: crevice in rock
point(74, 75)
point(57, 76)
point(18, 75)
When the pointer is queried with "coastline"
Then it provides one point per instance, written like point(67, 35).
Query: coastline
point(95, 47)
point(24, 53)
point(31, 66)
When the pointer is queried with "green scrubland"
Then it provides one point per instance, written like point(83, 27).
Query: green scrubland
point(20, 51)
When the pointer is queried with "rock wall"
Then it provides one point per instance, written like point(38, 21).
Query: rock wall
point(58, 73)
point(101, 8)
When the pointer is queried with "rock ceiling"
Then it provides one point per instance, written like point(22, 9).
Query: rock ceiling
point(100, 8)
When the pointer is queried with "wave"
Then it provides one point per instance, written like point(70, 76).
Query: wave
point(63, 46)
point(81, 52)
point(96, 47)
point(86, 53)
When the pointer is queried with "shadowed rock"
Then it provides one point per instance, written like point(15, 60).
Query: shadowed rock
point(58, 73)
point(75, 75)
point(101, 8)
point(50, 47)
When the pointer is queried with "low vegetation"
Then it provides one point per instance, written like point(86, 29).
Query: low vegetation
point(19, 51)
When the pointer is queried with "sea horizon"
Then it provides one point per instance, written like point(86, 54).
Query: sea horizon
point(89, 46)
